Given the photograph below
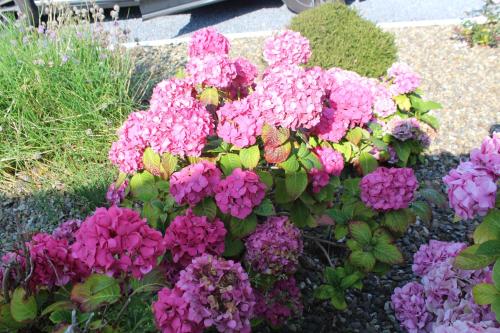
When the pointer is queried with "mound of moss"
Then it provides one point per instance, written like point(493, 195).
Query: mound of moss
point(339, 37)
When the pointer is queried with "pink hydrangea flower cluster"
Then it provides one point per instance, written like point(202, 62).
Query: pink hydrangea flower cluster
point(194, 182)
point(207, 41)
point(332, 163)
point(332, 126)
point(246, 73)
point(239, 123)
point(115, 195)
point(117, 240)
point(172, 93)
point(444, 295)
point(467, 327)
point(171, 312)
point(319, 179)
point(275, 247)
point(67, 230)
point(189, 236)
point(126, 153)
point(471, 190)
point(404, 79)
point(488, 155)
point(181, 131)
point(383, 104)
point(211, 70)
point(290, 97)
point(280, 303)
point(219, 294)
point(287, 48)
point(239, 193)
point(53, 262)
point(389, 188)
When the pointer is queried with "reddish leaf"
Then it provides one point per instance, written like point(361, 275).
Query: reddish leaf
point(277, 154)
point(274, 137)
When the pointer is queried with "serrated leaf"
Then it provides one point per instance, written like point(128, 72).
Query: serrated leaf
point(95, 291)
point(209, 96)
point(422, 210)
point(265, 208)
point(361, 232)
point(168, 165)
point(290, 165)
point(250, 157)
point(206, 207)
point(142, 186)
point(403, 150)
point(274, 137)
point(489, 229)
point(403, 102)
point(266, 178)
point(341, 231)
point(324, 292)
point(299, 214)
point(338, 300)
point(368, 163)
point(23, 308)
point(489, 248)
point(229, 162)
point(296, 183)
point(355, 135)
point(233, 247)
point(433, 196)
point(387, 253)
point(496, 274)
point(362, 212)
point(398, 221)
point(281, 195)
point(484, 293)
point(352, 186)
point(151, 161)
point(364, 260)
point(61, 305)
point(153, 281)
point(468, 259)
point(277, 154)
point(303, 151)
point(345, 148)
point(7, 323)
point(350, 280)
point(60, 316)
point(311, 161)
point(242, 228)
point(331, 275)
point(151, 213)
point(430, 120)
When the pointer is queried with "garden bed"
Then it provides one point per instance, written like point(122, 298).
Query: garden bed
point(464, 80)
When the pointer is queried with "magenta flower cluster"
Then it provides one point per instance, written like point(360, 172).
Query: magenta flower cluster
point(442, 301)
point(404, 79)
point(115, 195)
point(211, 292)
point(118, 241)
point(275, 247)
point(67, 230)
point(472, 186)
point(332, 164)
point(189, 236)
point(193, 183)
point(207, 41)
point(239, 193)
point(388, 188)
point(287, 48)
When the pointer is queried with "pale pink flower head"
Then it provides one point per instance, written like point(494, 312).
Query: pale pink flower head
point(388, 188)
point(219, 294)
point(287, 48)
point(239, 193)
point(331, 160)
point(115, 194)
point(189, 236)
point(471, 190)
point(118, 241)
point(133, 136)
point(246, 72)
point(404, 79)
point(207, 41)
point(194, 182)
point(172, 93)
point(332, 126)
point(460, 326)
point(181, 131)
point(211, 70)
point(67, 230)
point(171, 312)
point(488, 156)
point(275, 247)
point(280, 303)
point(409, 304)
point(429, 255)
point(383, 104)
point(239, 123)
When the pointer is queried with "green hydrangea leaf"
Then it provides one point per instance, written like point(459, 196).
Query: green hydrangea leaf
point(265, 208)
point(468, 259)
point(489, 229)
point(97, 290)
point(206, 207)
point(489, 248)
point(361, 232)
point(387, 253)
point(296, 183)
point(142, 186)
point(229, 162)
point(324, 292)
point(242, 228)
point(23, 308)
point(250, 157)
point(364, 260)
point(274, 137)
point(422, 210)
point(368, 163)
point(484, 293)
point(398, 221)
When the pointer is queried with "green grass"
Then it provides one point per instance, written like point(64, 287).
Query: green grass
point(339, 37)
point(61, 100)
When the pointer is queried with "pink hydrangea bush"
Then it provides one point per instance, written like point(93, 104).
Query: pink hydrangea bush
point(207, 41)
point(442, 301)
point(287, 48)
point(404, 79)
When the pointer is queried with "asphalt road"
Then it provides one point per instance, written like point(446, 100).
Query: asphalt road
point(238, 16)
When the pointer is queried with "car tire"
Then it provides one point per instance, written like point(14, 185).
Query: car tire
point(298, 6)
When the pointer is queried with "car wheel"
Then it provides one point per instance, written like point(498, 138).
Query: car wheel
point(29, 10)
point(298, 6)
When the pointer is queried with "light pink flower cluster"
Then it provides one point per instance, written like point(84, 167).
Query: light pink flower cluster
point(115, 195)
point(189, 236)
point(194, 182)
point(332, 163)
point(52, 261)
point(290, 97)
point(287, 48)
point(488, 156)
point(239, 193)
point(246, 72)
point(171, 93)
point(126, 153)
point(116, 241)
point(443, 298)
point(67, 230)
point(219, 294)
point(181, 131)
point(383, 104)
point(471, 190)
point(239, 123)
point(332, 126)
point(404, 79)
point(389, 188)
point(207, 41)
point(275, 247)
point(467, 327)
point(211, 70)
point(171, 312)
point(319, 179)
point(280, 303)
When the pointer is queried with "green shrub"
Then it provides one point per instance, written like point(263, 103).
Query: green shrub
point(339, 37)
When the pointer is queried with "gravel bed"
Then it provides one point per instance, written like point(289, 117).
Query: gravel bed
point(465, 80)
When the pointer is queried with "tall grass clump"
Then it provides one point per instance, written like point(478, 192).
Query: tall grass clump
point(339, 37)
point(65, 87)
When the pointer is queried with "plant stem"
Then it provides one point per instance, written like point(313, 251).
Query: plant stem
point(325, 252)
